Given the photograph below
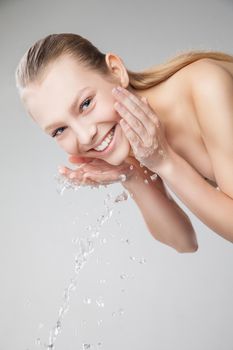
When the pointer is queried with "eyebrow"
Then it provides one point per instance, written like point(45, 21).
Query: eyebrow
point(76, 99)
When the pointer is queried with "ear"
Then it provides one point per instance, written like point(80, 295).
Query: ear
point(117, 69)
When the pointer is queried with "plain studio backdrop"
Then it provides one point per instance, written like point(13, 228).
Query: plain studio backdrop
point(166, 301)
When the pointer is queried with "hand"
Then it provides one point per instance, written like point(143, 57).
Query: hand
point(142, 128)
point(95, 172)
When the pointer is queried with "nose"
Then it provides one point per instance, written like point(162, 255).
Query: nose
point(86, 134)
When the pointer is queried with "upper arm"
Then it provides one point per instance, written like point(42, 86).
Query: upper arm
point(212, 94)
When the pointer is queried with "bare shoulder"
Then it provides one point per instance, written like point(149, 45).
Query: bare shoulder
point(205, 74)
point(195, 78)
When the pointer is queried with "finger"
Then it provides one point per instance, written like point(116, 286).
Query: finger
point(136, 111)
point(71, 174)
point(149, 112)
point(76, 159)
point(89, 180)
point(133, 138)
point(133, 122)
point(105, 179)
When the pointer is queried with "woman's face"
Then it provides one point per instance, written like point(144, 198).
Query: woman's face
point(75, 106)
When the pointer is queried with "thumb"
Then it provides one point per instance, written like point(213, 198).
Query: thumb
point(76, 159)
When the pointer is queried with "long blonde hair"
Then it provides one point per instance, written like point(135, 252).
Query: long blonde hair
point(32, 65)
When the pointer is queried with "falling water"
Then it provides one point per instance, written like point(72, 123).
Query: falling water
point(85, 249)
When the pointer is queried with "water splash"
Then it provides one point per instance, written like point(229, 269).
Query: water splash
point(122, 177)
point(85, 249)
point(154, 177)
point(87, 300)
point(91, 346)
point(100, 302)
point(121, 197)
point(139, 260)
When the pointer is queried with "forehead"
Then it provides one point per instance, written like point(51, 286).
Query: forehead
point(65, 70)
point(59, 84)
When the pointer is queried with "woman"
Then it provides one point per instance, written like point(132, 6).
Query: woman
point(173, 121)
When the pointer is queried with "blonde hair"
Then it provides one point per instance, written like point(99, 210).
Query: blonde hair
point(32, 65)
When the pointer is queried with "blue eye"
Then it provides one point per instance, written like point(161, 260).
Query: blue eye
point(55, 133)
point(84, 103)
point(59, 131)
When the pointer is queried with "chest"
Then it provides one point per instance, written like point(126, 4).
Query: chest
point(184, 136)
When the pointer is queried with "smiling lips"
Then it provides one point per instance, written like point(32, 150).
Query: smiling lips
point(104, 144)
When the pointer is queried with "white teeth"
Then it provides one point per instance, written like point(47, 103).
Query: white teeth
point(105, 142)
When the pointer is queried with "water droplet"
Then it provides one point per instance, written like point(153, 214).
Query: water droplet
point(100, 302)
point(87, 300)
point(118, 223)
point(132, 258)
point(103, 241)
point(145, 171)
point(161, 152)
point(125, 240)
point(142, 261)
point(121, 197)
point(83, 323)
point(41, 325)
point(121, 311)
point(38, 342)
point(95, 234)
point(102, 281)
point(122, 177)
point(146, 181)
point(131, 167)
point(154, 177)
point(99, 322)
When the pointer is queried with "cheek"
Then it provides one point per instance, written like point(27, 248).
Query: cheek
point(68, 144)
point(106, 112)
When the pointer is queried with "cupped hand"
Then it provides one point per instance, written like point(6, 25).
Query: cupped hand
point(95, 172)
point(143, 129)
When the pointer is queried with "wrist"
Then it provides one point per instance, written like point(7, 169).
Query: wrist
point(165, 168)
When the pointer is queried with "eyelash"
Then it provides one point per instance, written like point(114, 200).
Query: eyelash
point(54, 134)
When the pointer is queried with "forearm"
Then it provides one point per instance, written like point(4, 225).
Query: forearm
point(166, 221)
point(213, 207)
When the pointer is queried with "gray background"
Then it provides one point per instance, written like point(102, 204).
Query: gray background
point(172, 301)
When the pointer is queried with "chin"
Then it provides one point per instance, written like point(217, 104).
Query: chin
point(121, 155)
